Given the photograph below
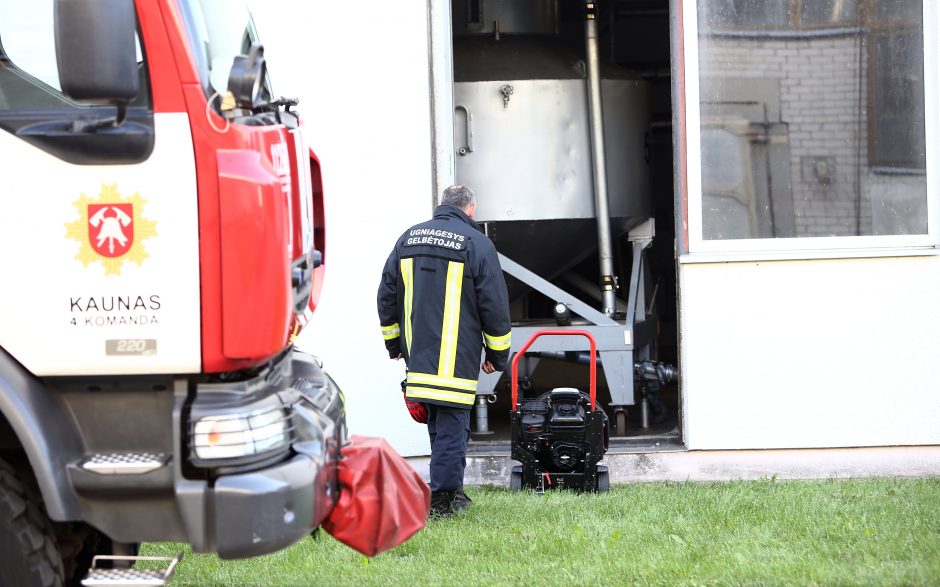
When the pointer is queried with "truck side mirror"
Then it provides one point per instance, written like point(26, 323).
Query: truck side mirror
point(95, 50)
point(246, 79)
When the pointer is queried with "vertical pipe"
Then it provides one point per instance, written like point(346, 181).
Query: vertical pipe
point(601, 207)
point(441, 92)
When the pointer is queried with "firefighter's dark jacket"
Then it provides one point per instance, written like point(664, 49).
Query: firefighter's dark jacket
point(442, 298)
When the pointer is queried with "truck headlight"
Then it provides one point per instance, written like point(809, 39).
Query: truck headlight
point(232, 436)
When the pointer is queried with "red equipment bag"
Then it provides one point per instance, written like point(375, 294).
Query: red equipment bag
point(382, 502)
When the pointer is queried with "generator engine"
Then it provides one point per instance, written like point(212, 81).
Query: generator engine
point(559, 440)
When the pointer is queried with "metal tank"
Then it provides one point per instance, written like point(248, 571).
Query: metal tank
point(538, 122)
point(522, 132)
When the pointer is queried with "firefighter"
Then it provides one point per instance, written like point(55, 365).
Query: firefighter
point(441, 300)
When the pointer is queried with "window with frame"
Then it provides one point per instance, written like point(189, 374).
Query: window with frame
point(812, 119)
point(29, 76)
point(35, 110)
point(777, 14)
point(219, 30)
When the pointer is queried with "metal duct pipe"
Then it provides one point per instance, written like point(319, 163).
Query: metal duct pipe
point(601, 207)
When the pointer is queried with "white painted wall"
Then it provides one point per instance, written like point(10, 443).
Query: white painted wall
point(362, 75)
point(828, 353)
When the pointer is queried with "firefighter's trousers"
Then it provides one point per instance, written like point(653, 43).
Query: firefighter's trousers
point(449, 429)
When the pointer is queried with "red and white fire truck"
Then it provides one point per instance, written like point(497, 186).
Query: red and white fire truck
point(162, 244)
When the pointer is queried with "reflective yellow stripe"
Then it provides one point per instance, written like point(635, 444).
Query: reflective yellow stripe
point(498, 343)
point(440, 394)
point(451, 320)
point(452, 382)
point(390, 332)
point(407, 271)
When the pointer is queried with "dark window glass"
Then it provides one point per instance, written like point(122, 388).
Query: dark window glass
point(908, 10)
point(827, 12)
point(898, 136)
point(752, 13)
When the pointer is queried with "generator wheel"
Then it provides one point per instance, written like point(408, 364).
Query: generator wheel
point(603, 479)
point(515, 479)
point(30, 555)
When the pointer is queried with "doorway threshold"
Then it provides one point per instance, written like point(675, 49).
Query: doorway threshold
point(671, 461)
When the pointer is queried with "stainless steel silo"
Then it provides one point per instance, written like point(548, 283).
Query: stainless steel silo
point(522, 131)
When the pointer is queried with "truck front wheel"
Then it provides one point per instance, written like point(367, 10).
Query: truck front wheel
point(30, 555)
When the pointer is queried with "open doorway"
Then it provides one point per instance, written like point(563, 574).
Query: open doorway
point(527, 139)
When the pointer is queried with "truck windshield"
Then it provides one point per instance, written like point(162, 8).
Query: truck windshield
point(218, 30)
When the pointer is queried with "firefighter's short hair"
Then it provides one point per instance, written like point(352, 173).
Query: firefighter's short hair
point(458, 195)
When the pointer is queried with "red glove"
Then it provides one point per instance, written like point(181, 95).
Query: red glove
point(418, 411)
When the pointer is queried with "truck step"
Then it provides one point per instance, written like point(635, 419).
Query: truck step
point(123, 463)
point(98, 577)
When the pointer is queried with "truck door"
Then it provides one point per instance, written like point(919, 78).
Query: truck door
point(99, 222)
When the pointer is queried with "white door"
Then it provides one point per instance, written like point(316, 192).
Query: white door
point(98, 227)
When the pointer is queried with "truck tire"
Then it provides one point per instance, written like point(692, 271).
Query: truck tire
point(79, 543)
point(30, 555)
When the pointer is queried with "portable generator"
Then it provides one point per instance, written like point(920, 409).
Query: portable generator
point(560, 436)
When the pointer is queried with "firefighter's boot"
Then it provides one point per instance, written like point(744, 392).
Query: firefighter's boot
point(461, 500)
point(442, 504)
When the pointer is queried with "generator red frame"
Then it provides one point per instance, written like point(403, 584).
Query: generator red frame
point(556, 332)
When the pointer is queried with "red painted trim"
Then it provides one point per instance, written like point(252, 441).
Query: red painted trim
point(683, 136)
point(556, 332)
point(179, 42)
point(210, 275)
point(319, 228)
point(164, 81)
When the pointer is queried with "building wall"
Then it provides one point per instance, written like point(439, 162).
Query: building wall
point(797, 354)
point(364, 96)
point(774, 354)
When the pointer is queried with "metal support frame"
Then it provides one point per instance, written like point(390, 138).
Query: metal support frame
point(619, 344)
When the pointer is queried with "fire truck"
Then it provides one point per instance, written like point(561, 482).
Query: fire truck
point(162, 246)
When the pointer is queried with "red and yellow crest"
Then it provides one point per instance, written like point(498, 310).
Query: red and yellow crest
point(111, 229)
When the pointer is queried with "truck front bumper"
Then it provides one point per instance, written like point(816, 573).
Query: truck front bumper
point(251, 512)
point(260, 512)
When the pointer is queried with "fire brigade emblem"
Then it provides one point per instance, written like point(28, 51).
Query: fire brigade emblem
point(111, 229)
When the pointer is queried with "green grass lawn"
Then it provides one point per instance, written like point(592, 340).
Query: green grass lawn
point(845, 532)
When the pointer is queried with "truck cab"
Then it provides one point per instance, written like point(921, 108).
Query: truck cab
point(163, 245)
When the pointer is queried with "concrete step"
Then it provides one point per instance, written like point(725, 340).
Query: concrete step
point(492, 465)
